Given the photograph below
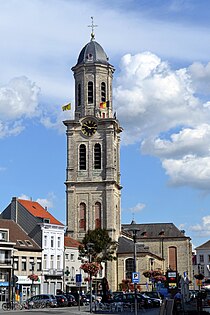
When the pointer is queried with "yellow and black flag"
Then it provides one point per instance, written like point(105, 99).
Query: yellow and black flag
point(66, 106)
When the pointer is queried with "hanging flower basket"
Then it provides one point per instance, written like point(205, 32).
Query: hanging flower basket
point(199, 276)
point(91, 268)
point(33, 277)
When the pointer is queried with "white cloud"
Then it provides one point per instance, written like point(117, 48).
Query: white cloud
point(202, 229)
point(138, 208)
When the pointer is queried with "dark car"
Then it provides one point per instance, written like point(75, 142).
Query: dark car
point(71, 299)
point(156, 301)
point(49, 300)
point(61, 300)
point(127, 298)
point(79, 298)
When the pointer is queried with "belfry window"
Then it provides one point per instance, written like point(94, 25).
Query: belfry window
point(79, 100)
point(103, 92)
point(82, 216)
point(97, 215)
point(97, 156)
point(90, 92)
point(82, 157)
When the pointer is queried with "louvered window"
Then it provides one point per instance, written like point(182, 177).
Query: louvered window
point(97, 156)
point(82, 157)
point(79, 100)
point(90, 92)
point(173, 258)
point(103, 92)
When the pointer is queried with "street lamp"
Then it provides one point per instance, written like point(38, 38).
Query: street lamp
point(134, 231)
point(89, 250)
point(32, 285)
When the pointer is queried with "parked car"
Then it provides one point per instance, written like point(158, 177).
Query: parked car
point(48, 299)
point(128, 297)
point(71, 299)
point(83, 299)
point(156, 301)
point(61, 300)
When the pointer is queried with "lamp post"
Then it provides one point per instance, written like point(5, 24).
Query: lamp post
point(89, 250)
point(32, 285)
point(13, 282)
point(134, 231)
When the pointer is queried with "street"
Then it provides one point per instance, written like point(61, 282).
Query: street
point(84, 310)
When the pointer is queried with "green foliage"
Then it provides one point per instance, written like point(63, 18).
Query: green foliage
point(102, 249)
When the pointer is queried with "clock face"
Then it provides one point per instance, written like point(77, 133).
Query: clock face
point(89, 128)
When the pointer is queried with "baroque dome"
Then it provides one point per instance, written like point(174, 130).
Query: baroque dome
point(92, 53)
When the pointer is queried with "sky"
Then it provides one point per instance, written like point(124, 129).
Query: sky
point(161, 94)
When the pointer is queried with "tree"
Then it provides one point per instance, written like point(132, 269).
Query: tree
point(103, 247)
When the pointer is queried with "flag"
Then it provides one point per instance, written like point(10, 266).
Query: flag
point(103, 105)
point(66, 107)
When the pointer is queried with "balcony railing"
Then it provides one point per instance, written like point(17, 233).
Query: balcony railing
point(53, 272)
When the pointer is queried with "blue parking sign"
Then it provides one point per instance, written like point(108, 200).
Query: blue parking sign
point(78, 279)
point(135, 277)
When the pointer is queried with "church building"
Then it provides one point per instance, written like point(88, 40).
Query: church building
point(93, 190)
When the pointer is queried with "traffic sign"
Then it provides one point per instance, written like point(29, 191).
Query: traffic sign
point(78, 279)
point(135, 277)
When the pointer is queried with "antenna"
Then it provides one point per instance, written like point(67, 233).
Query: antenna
point(92, 26)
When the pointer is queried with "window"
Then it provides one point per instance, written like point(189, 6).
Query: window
point(59, 242)
point(45, 261)
point(173, 258)
point(79, 95)
point(28, 243)
point(72, 257)
point(66, 256)
point(103, 92)
point(31, 264)
point(21, 243)
point(39, 264)
point(82, 157)
point(90, 92)
point(16, 263)
point(52, 241)
point(97, 215)
point(45, 241)
point(23, 264)
point(129, 268)
point(58, 262)
point(201, 258)
point(97, 156)
point(3, 236)
point(82, 220)
point(51, 261)
point(208, 258)
point(72, 273)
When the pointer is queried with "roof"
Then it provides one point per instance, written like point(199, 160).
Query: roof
point(205, 245)
point(38, 211)
point(16, 234)
point(70, 242)
point(154, 230)
point(92, 52)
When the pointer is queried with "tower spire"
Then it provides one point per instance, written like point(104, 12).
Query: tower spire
point(92, 26)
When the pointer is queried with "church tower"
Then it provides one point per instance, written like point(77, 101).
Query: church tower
point(93, 190)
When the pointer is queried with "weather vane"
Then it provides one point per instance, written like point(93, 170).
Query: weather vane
point(92, 26)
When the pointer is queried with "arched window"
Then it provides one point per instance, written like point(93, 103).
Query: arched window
point(97, 215)
point(103, 92)
point(82, 157)
point(82, 216)
point(97, 156)
point(129, 268)
point(90, 92)
point(172, 258)
point(79, 100)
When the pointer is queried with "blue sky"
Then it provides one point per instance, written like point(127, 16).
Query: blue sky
point(161, 52)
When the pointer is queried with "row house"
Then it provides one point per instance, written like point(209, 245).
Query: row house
point(20, 258)
point(47, 232)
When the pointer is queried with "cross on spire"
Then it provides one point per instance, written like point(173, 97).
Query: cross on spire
point(92, 26)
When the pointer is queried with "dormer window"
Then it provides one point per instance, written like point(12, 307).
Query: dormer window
point(28, 243)
point(3, 236)
point(144, 234)
point(21, 243)
point(45, 220)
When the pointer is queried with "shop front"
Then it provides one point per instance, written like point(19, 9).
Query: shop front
point(25, 288)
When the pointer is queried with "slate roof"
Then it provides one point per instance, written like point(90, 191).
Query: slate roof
point(154, 230)
point(16, 233)
point(38, 211)
point(70, 242)
point(92, 52)
point(205, 245)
